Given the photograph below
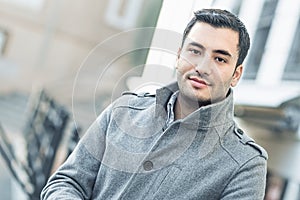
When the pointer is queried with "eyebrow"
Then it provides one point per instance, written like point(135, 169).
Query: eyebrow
point(197, 45)
point(219, 51)
point(224, 52)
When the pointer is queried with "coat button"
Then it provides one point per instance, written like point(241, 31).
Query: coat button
point(148, 165)
point(240, 131)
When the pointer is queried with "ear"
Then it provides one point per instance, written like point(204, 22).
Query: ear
point(236, 75)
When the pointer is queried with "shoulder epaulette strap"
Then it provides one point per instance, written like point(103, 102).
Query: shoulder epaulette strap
point(142, 94)
point(262, 151)
point(245, 139)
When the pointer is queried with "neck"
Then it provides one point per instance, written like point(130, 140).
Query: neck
point(184, 107)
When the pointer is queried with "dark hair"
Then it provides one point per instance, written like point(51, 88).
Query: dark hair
point(222, 19)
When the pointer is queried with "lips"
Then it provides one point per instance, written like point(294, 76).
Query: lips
point(197, 82)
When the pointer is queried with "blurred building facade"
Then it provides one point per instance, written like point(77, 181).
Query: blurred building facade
point(45, 44)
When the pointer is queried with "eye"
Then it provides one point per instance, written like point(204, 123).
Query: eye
point(221, 60)
point(195, 51)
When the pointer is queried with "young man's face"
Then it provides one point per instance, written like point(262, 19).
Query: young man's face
point(206, 63)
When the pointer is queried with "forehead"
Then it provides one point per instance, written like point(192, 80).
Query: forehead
point(214, 38)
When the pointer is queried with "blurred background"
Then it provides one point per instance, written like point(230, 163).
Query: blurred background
point(63, 62)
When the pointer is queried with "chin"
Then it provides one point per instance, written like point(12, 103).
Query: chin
point(200, 99)
point(204, 102)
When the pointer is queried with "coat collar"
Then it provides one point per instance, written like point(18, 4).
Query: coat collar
point(213, 115)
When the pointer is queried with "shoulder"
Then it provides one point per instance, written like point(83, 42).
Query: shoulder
point(241, 147)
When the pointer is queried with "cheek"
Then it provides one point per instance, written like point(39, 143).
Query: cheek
point(183, 66)
point(223, 73)
point(181, 74)
point(228, 81)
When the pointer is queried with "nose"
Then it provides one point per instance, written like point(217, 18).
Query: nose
point(204, 66)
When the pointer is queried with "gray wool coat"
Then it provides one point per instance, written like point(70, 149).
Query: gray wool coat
point(130, 153)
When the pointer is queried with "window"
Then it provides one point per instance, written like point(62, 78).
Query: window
point(292, 68)
point(260, 39)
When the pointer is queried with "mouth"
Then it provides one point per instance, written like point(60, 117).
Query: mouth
point(197, 82)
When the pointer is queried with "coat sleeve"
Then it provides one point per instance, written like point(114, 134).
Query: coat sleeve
point(75, 178)
point(249, 182)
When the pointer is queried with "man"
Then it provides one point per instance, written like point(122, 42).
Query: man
point(181, 143)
